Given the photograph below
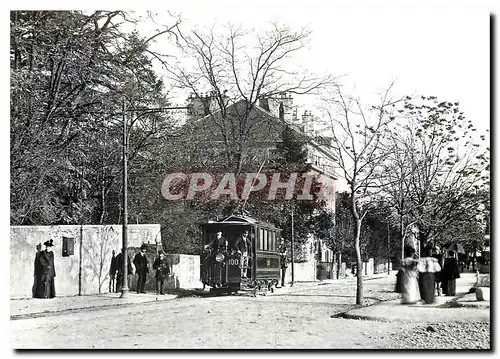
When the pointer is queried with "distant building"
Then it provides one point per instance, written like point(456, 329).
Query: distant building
point(214, 130)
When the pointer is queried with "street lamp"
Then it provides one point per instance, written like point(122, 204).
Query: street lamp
point(125, 289)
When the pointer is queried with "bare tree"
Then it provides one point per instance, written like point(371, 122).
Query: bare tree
point(239, 68)
point(357, 135)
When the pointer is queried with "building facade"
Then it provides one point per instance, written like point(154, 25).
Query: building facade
point(215, 130)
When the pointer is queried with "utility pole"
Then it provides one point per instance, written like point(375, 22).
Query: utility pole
point(388, 249)
point(292, 259)
point(80, 252)
point(124, 289)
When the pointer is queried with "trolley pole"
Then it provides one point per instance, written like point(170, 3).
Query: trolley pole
point(124, 288)
point(292, 259)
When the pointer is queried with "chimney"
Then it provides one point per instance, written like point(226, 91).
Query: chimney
point(264, 103)
point(199, 106)
point(284, 102)
point(307, 121)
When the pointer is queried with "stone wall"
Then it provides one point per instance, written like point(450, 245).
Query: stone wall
point(368, 267)
point(303, 272)
point(95, 243)
point(185, 271)
point(382, 267)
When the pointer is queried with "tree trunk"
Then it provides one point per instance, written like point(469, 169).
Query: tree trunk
point(357, 234)
point(359, 271)
point(402, 236)
point(103, 203)
point(339, 266)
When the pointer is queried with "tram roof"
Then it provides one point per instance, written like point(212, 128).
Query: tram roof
point(241, 220)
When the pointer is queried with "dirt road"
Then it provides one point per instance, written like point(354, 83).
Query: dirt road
point(301, 319)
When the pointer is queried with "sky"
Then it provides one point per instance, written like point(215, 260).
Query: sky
point(427, 48)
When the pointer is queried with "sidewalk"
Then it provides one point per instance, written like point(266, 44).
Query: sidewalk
point(30, 308)
point(350, 279)
point(463, 307)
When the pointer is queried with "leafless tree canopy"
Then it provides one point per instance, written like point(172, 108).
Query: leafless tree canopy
point(233, 65)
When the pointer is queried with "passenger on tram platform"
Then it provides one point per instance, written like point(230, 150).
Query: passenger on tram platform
point(242, 245)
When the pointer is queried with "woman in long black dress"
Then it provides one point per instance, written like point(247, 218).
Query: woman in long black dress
point(450, 274)
point(45, 273)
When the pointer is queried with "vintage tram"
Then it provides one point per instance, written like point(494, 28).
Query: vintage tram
point(226, 270)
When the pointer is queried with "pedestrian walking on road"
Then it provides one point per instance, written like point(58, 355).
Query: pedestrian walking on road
point(162, 271)
point(427, 268)
point(141, 268)
point(409, 274)
point(436, 253)
point(112, 274)
point(119, 270)
point(45, 272)
point(450, 274)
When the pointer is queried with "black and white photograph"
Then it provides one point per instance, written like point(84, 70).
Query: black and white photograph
point(250, 175)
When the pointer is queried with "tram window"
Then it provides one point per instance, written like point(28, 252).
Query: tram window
point(266, 243)
point(273, 241)
point(261, 239)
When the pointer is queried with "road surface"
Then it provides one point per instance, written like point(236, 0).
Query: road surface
point(301, 319)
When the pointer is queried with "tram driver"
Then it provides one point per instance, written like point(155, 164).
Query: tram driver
point(219, 243)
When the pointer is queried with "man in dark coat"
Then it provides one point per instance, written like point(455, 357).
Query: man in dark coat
point(112, 274)
point(45, 272)
point(450, 274)
point(162, 271)
point(141, 268)
point(219, 243)
point(119, 269)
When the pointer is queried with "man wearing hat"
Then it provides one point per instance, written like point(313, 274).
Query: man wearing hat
point(141, 268)
point(162, 271)
point(219, 243)
point(46, 272)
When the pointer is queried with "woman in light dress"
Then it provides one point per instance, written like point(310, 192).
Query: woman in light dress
point(409, 277)
point(427, 267)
